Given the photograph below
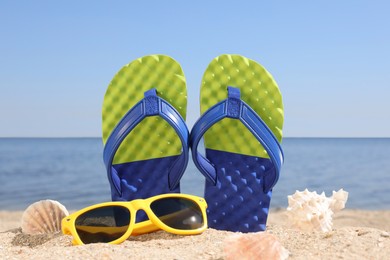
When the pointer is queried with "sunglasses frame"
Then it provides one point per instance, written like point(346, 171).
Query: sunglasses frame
point(68, 224)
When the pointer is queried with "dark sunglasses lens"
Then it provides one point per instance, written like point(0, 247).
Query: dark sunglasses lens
point(103, 224)
point(178, 213)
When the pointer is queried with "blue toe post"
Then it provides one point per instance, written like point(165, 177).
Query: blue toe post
point(143, 179)
point(238, 187)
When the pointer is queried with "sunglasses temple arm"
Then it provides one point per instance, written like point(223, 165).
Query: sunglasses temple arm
point(144, 227)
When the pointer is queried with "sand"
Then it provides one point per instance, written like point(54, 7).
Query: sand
point(357, 234)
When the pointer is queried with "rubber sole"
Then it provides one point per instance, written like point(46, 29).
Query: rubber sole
point(237, 202)
point(144, 157)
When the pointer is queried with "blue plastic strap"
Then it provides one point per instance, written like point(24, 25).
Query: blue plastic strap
point(234, 107)
point(151, 105)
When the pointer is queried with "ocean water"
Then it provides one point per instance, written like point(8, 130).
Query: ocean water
point(71, 170)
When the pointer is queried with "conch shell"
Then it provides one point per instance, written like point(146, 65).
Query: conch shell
point(258, 245)
point(43, 217)
point(309, 211)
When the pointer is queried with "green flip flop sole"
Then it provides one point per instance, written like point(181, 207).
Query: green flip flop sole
point(241, 124)
point(144, 132)
point(153, 137)
point(258, 89)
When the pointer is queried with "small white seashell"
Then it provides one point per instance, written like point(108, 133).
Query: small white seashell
point(258, 245)
point(309, 211)
point(43, 217)
point(338, 200)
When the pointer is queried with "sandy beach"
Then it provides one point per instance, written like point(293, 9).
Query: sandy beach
point(356, 234)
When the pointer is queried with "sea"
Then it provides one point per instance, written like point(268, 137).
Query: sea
point(71, 171)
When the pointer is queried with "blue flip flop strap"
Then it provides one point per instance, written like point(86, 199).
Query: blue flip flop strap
point(234, 107)
point(151, 105)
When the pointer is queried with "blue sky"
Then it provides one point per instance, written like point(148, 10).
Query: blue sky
point(331, 59)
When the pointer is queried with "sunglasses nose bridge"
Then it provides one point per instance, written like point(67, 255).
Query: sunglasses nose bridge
point(139, 204)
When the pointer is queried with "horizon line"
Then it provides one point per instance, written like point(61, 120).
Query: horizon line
point(95, 137)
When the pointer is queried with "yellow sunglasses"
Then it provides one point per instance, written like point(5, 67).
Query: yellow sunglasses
point(114, 222)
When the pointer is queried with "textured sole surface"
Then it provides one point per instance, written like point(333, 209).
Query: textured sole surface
point(153, 137)
point(146, 154)
point(258, 89)
point(237, 202)
point(144, 179)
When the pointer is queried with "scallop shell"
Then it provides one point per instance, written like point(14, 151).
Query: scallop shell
point(310, 211)
point(43, 217)
point(258, 245)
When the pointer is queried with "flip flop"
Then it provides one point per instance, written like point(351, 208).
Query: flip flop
point(241, 124)
point(144, 130)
